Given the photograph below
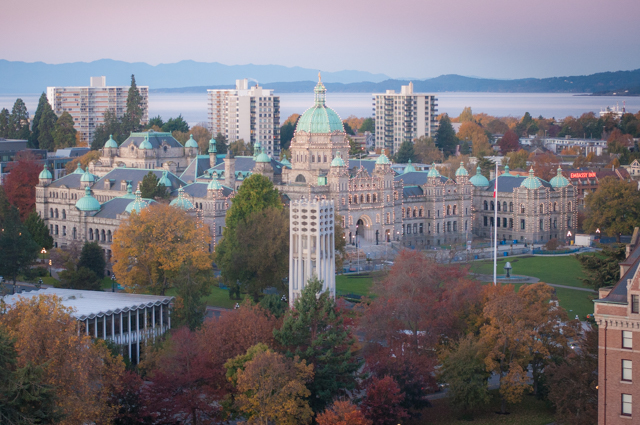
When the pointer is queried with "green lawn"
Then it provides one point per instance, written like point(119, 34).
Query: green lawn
point(562, 270)
point(354, 283)
point(575, 302)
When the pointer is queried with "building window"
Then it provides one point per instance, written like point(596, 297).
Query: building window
point(541, 224)
point(626, 404)
point(510, 206)
point(521, 208)
point(627, 339)
point(486, 205)
point(522, 224)
point(486, 221)
point(421, 228)
point(510, 223)
point(635, 304)
point(64, 230)
point(627, 370)
point(56, 229)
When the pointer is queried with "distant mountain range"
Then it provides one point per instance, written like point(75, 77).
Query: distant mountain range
point(605, 82)
point(197, 77)
point(23, 77)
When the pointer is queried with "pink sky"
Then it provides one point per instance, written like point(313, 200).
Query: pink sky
point(402, 38)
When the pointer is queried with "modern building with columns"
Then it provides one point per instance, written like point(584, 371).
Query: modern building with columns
point(128, 320)
point(311, 246)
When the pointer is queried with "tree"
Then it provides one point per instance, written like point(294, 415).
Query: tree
point(92, 257)
point(476, 135)
point(272, 389)
point(368, 124)
point(353, 122)
point(5, 118)
point(446, 139)
point(84, 161)
point(33, 137)
point(82, 372)
point(20, 184)
point(128, 400)
point(150, 247)
point(573, 383)
point(517, 159)
point(82, 278)
point(133, 115)
point(426, 151)
point(192, 285)
point(603, 269)
point(150, 188)
point(287, 131)
point(405, 153)
point(17, 248)
point(466, 115)
point(464, 371)
point(275, 304)
point(314, 330)
point(38, 230)
point(342, 412)
point(202, 136)
point(64, 135)
point(240, 148)
point(175, 124)
point(46, 128)
point(382, 404)
point(546, 165)
point(155, 122)
point(221, 144)
point(19, 121)
point(340, 242)
point(509, 142)
point(614, 208)
point(347, 128)
point(112, 127)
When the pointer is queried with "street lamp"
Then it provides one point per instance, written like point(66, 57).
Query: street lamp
point(43, 251)
point(568, 235)
point(49, 267)
point(113, 282)
point(598, 233)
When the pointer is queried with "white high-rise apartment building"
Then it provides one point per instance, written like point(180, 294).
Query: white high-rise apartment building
point(403, 116)
point(87, 105)
point(251, 114)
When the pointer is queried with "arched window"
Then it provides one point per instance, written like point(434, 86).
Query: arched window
point(75, 233)
point(521, 208)
point(90, 234)
point(448, 209)
point(510, 206)
point(421, 212)
point(313, 158)
point(374, 198)
point(64, 214)
point(325, 158)
point(541, 208)
point(493, 207)
point(50, 212)
point(355, 199)
point(555, 206)
point(438, 228)
point(368, 198)
point(362, 199)
point(109, 236)
point(498, 205)
point(415, 212)
point(388, 218)
point(504, 206)
point(56, 211)
point(300, 179)
point(403, 212)
point(569, 208)
point(103, 237)
point(486, 205)
point(455, 207)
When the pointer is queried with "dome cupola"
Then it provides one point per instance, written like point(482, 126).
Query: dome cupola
point(559, 180)
point(382, 159)
point(410, 169)
point(462, 172)
point(181, 202)
point(337, 161)
point(320, 118)
point(45, 174)
point(531, 182)
point(433, 172)
point(191, 143)
point(88, 202)
point(111, 144)
point(479, 180)
point(138, 204)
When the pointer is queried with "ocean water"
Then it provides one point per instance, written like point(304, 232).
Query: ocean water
point(193, 106)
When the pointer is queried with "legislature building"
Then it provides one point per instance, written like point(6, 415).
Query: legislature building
point(417, 209)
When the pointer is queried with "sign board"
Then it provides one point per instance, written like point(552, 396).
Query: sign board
point(582, 175)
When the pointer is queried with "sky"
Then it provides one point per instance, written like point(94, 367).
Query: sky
point(400, 38)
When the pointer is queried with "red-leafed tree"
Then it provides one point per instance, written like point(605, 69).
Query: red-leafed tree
point(128, 400)
point(383, 403)
point(510, 142)
point(546, 165)
point(20, 183)
point(419, 303)
point(185, 385)
point(342, 412)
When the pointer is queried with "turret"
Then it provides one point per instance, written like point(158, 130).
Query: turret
point(45, 177)
point(110, 148)
point(213, 153)
point(263, 165)
point(230, 170)
point(191, 147)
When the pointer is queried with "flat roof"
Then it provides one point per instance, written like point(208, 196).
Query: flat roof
point(91, 304)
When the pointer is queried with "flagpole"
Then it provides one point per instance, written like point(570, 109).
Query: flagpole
point(495, 228)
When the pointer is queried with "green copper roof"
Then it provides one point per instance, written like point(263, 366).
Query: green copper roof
point(214, 185)
point(78, 169)
point(531, 182)
point(479, 180)
point(285, 161)
point(462, 171)
point(382, 159)
point(506, 171)
point(191, 143)
point(164, 180)
point(433, 172)
point(263, 157)
point(181, 201)
point(129, 194)
point(111, 143)
point(88, 202)
point(212, 146)
point(45, 174)
point(337, 161)
point(256, 149)
point(145, 143)
point(559, 180)
point(87, 177)
point(137, 204)
point(320, 118)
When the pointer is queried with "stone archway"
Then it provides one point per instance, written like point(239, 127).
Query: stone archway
point(300, 179)
point(364, 228)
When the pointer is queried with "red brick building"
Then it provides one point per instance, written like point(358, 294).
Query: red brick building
point(617, 313)
point(587, 181)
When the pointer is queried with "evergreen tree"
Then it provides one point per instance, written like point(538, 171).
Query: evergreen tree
point(17, 248)
point(4, 123)
point(35, 132)
point(405, 153)
point(221, 144)
point(369, 125)
point(176, 124)
point(150, 188)
point(64, 135)
point(314, 330)
point(112, 126)
point(133, 116)
point(446, 136)
point(19, 121)
point(38, 230)
point(602, 269)
point(92, 257)
point(286, 134)
point(486, 166)
point(155, 121)
point(192, 286)
point(83, 278)
point(464, 148)
point(46, 128)
point(347, 128)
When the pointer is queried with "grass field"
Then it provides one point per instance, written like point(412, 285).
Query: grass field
point(530, 412)
point(562, 270)
point(358, 284)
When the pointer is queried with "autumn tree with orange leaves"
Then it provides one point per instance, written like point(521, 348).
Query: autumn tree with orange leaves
point(342, 412)
point(83, 373)
point(150, 247)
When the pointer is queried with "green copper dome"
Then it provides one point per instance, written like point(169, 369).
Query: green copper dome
point(382, 159)
point(214, 185)
point(181, 201)
point(337, 161)
point(320, 118)
point(129, 194)
point(506, 171)
point(462, 172)
point(212, 146)
point(559, 180)
point(263, 157)
point(78, 169)
point(410, 168)
point(88, 202)
point(531, 182)
point(433, 172)
point(87, 177)
point(145, 143)
point(137, 204)
point(111, 143)
point(479, 180)
point(164, 180)
point(45, 174)
point(191, 143)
